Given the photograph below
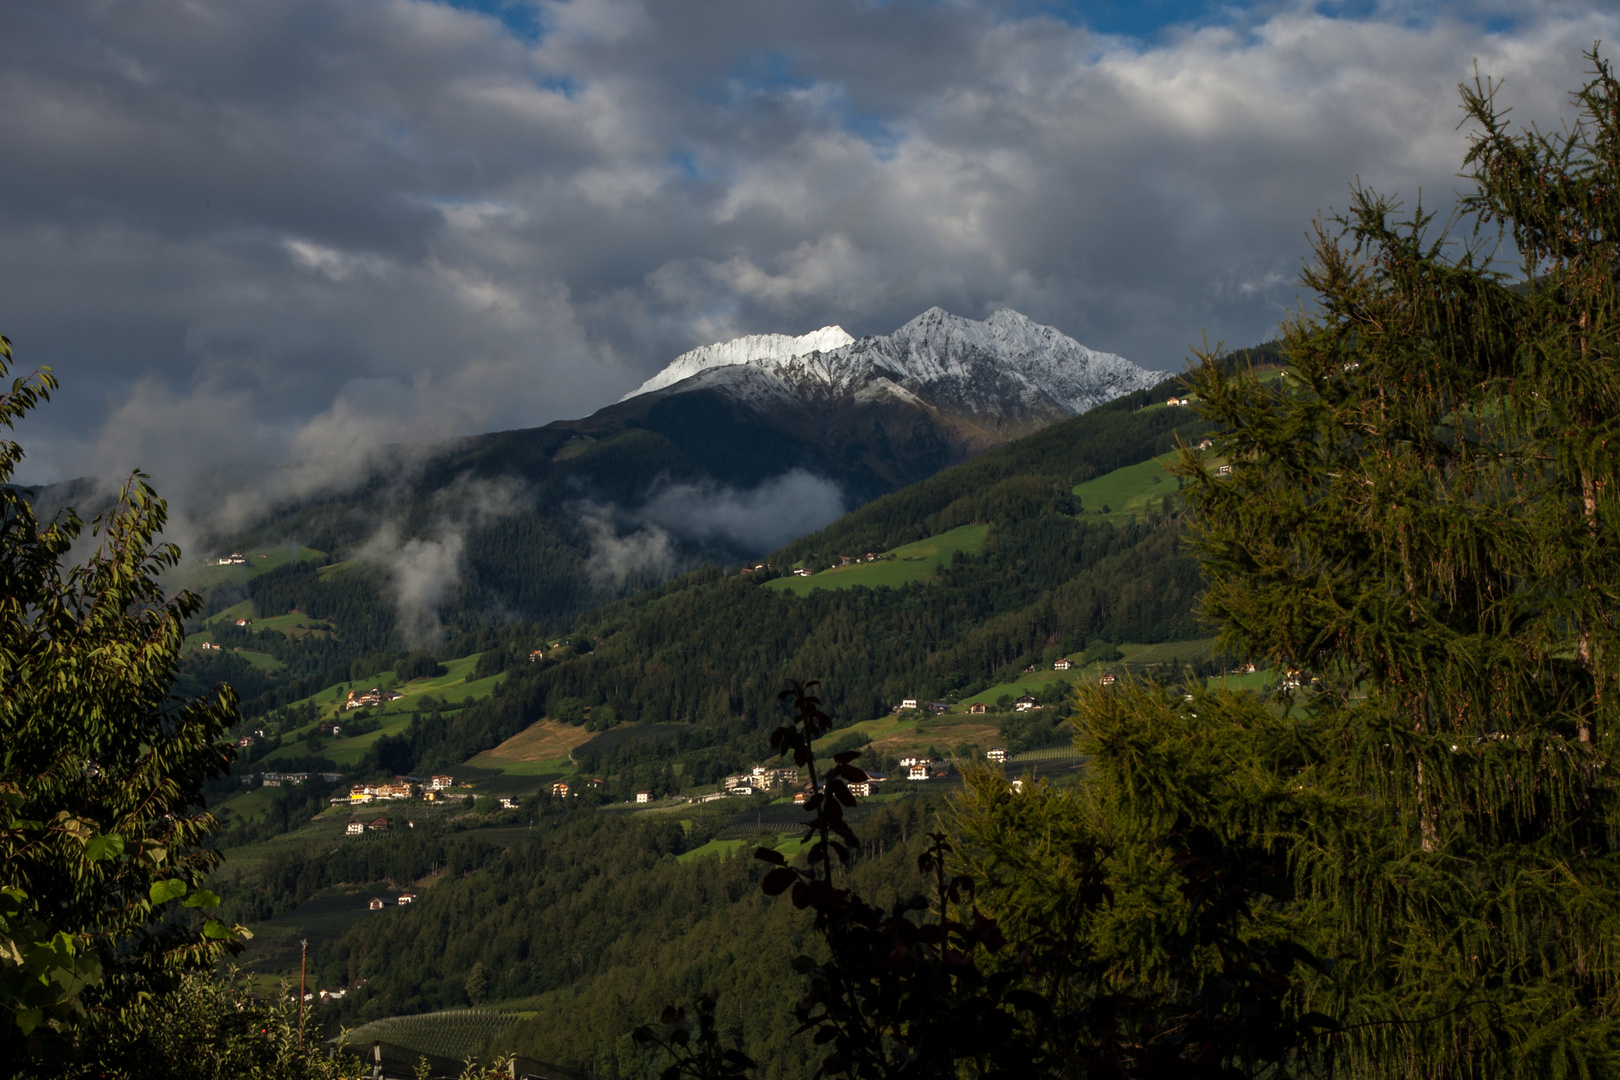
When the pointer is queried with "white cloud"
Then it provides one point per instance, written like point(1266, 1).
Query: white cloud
point(264, 229)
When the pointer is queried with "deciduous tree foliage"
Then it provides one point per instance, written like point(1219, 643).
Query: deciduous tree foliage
point(102, 833)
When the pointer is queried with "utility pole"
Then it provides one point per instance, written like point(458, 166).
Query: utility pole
point(303, 968)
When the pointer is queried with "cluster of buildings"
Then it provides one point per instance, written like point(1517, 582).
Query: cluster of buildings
point(401, 787)
point(921, 768)
point(562, 789)
point(235, 558)
point(762, 778)
point(939, 708)
point(374, 696)
point(293, 779)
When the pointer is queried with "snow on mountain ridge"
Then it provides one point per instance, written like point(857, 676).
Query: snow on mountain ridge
point(1007, 367)
point(752, 349)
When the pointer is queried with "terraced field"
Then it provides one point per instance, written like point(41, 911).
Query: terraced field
point(456, 1034)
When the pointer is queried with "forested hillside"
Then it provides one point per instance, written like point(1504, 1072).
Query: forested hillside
point(707, 651)
point(589, 919)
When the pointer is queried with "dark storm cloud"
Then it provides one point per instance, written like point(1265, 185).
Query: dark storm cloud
point(273, 228)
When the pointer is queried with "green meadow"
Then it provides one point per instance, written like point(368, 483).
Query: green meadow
point(917, 561)
point(394, 716)
point(259, 560)
point(1128, 491)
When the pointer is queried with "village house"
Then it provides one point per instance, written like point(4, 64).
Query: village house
point(1061, 664)
point(536, 654)
point(509, 802)
point(1224, 470)
point(740, 789)
point(595, 784)
point(844, 560)
point(1248, 669)
point(918, 771)
point(908, 703)
point(406, 898)
point(559, 790)
point(713, 796)
point(356, 828)
point(997, 754)
point(643, 796)
point(1025, 703)
point(244, 622)
point(378, 824)
point(938, 708)
point(205, 646)
point(393, 791)
point(245, 741)
point(803, 572)
point(1206, 444)
point(374, 696)
point(377, 903)
point(1106, 680)
point(1178, 401)
point(978, 707)
point(441, 782)
point(860, 789)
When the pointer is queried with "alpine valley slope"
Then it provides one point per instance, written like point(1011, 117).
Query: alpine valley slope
point(848, 420)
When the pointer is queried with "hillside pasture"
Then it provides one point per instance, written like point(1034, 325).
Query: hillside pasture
point(905, 564)
point(1129, 491)
point(208, 574)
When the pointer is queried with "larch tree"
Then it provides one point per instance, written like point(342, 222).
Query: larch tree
point(1422, 517)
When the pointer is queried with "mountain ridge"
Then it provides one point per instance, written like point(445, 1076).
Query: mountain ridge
point(1007, 371)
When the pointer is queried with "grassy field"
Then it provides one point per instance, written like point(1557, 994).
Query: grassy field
point(1161, 660)
point(394, 716)
point(905, 564)
point(543, 741)
point(207, 575)
point(1128, 491)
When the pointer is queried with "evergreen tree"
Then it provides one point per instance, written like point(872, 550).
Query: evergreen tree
point(1424, 518)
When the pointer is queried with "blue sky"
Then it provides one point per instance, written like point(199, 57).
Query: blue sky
point(257, 229)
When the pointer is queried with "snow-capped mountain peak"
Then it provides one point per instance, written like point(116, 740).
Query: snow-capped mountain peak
point(1004, 370)
point(760, 349)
